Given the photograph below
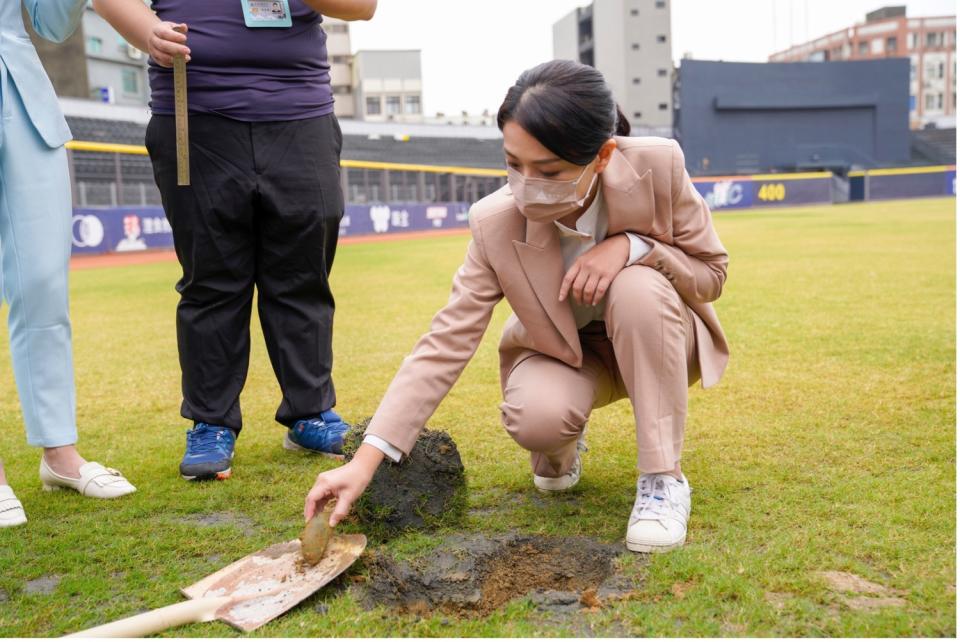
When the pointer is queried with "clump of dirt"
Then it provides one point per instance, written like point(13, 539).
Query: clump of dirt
point(866, 595)
point(476, 575)
point(224, 518)
point(43, 585)
point(422, 491)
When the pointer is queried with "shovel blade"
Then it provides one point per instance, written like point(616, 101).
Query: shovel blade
point(268, 583)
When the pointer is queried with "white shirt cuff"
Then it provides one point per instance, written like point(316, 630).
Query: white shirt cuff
point(388, 449)
point(638, 248)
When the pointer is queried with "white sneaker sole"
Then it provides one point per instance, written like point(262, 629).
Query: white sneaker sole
point(10, 522)
point(646, 547)
point(288, 444)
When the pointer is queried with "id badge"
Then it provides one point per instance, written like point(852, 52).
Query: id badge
point(266, 13)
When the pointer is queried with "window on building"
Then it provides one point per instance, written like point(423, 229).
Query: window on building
point(662, 73)
point(939, 101)
point(940, 70)
point(913, 71)
point(411, 104)
point(876, 46)
point(373, 106)
point(663, 107)
point(863, 48)
point(930, 70)
point(342, 90)
point(94, 45)
point(892, 44)
point(393, 104)
point(661, 4)
point(131, 81)
point(929, 101)
point(634, 12)
point(912, 40)
point(636, 81)
point(661, 38)
point(638, 115)
point(635, 46)
point(932, 38)
point(913, 102)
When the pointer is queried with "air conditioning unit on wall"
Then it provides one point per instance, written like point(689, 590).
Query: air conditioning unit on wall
point(133, 53)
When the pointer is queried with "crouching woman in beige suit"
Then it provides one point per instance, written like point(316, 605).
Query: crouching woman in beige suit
point(608, 257)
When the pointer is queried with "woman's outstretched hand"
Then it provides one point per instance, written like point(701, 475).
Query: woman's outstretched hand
point(345, 484)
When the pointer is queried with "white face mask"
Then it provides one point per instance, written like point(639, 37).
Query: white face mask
point(544, 200)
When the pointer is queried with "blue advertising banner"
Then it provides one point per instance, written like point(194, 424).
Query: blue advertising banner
point(385, 218)
point(726, 193)
point(764, 191)
point(888, 184)
point(127, 229)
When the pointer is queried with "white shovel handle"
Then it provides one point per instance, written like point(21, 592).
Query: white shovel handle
point(203, 609)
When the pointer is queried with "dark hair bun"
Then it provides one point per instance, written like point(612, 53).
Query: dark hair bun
point(567, 106)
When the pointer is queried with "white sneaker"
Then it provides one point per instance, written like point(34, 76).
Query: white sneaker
point(569, 479)
point(658, 522)
point(11, 510)
point(94, 481)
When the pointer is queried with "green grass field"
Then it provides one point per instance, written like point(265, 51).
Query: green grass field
point(829, 446)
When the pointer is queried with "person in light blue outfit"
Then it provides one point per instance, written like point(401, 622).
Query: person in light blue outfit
point(35, 242)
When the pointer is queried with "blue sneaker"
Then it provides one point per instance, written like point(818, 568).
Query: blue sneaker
point(323, 434)
point(209, 452)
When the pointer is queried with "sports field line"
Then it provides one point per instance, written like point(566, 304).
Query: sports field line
point(120, 259)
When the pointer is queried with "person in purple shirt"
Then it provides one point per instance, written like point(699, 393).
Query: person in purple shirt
point(262, 211)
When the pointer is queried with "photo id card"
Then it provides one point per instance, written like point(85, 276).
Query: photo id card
point(266, 13)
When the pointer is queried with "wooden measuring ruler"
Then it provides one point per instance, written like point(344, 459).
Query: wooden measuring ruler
point(180, 110)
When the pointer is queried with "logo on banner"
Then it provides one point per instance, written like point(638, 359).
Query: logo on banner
point(724, 194)
point(131, 241)
point(436, 214)
point(380, 215)
point(87, 231)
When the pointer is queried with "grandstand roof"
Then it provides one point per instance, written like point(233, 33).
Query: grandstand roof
point(459, 145)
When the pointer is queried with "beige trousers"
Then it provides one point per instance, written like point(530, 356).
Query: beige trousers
point(644, 349)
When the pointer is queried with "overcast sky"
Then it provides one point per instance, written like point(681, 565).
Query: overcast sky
point(473, 50)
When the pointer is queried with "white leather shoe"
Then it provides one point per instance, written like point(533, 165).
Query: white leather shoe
point(658, 522)
point(570, 478)
point(94, 481)
point(11, 510)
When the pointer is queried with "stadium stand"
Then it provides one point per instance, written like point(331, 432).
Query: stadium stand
point(933, 147)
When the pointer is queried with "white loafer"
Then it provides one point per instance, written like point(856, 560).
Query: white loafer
point(11, 510)
point(94, 481)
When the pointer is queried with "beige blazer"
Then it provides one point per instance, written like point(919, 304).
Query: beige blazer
point(646, 190)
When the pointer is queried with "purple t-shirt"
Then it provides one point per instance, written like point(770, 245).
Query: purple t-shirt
point(244, 73)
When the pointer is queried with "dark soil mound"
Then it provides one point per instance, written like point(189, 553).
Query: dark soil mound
point(422, 491)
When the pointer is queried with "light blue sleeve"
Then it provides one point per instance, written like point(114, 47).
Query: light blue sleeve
point(55, 20)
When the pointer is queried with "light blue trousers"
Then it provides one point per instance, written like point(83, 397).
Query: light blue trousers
point(35, 241)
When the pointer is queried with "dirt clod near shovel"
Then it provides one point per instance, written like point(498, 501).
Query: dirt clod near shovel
point(476, 575)
point(424, 490)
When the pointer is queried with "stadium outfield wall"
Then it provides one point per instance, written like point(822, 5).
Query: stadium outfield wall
point(100, 230)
